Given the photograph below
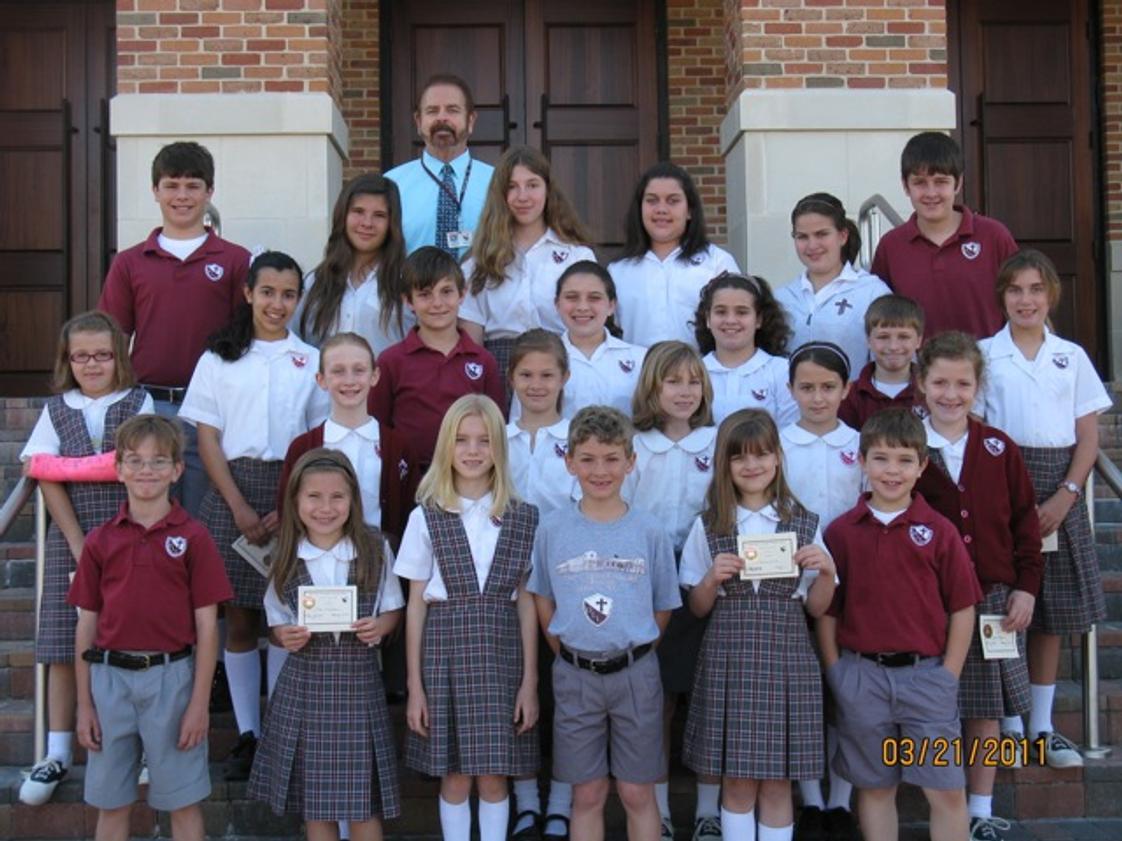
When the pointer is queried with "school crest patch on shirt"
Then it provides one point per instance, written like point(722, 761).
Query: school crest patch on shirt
point(848, 457)
point(497, 522)
point(920, 534)
point(559, 450)
point(971, 250)
point(703, 463)
point(994, 446)
point(299, 360)
point(597, 608)
point(697, 259)
point(560, 256)
point(843, 305)
point(175, 546)
point(1060, 360)
point(402, 469)
point(760, 394)
point(627, 365)
point(920, 411)
point(474, 370)
point(214, 272)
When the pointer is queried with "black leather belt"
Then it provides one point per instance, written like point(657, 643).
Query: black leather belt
point(133, 662)
point(894, 659)
point(608, 665)
point(174, 396)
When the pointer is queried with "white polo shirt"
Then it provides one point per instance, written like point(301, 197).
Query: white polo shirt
point(1037, 401)
point(607, 378)
point(952, 453)
point(540, 475)
point(360, 311)
point(44, 437)
point(835, 313)
point(331, 568)
point(658, 298)
point(363, 447)
point(260, 402)
point(524, 300)
point(823, 471)
point(415, 559)
point(760, 383)
point(671, 477)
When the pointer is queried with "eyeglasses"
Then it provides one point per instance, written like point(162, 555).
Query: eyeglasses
point(134, 464)
point(81, 357)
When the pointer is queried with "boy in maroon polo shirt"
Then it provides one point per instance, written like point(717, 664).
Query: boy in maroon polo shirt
point(175, 289)
point(148, 586)
point(895, 638)
point(945, 256)
point(894, 328)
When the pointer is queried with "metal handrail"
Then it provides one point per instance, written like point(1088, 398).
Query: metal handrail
point(15, 502)
point(874, 210)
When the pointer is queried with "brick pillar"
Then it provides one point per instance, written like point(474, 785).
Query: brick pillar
point(822, 95)
point(259, 82)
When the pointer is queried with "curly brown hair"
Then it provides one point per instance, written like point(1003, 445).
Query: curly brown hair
point(773, 333)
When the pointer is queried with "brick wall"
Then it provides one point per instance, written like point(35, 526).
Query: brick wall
point(227, 46)
point(837, 43)
point(695, 46)
point(1111, 53)
point(362, 104)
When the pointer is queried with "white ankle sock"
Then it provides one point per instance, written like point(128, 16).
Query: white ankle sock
point(243, 674)
point(811, 791)
point(455, 820)
point(841, 789)
point(708, 800)
point(775, 833)
point(1013, 724)
point(60, 746)
point(662, 797)
point(560, 803)
point(344, 831)
point(738, 827)
point(274, 662)
point(1040, 714)
point(493, 819)
point(526, 799)
point(980, 805)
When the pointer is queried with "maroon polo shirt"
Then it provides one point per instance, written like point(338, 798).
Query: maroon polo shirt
point(145, 584)
point(953, 282)
point(417, 385)
point(865, 399)
point(173, 306)
point(898, 582)
point(994, 508)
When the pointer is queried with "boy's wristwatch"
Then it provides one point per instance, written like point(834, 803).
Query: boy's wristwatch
point(1069, 485)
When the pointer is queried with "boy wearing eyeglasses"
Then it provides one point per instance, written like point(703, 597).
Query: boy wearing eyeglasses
point(148, 586)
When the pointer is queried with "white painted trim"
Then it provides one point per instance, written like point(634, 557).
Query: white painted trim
point(203, 115)
point(840, 109)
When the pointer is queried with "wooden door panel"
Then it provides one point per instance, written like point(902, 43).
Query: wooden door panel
point(33, 66)
point(1017, 174)
point(602, 201)
point(34, 316)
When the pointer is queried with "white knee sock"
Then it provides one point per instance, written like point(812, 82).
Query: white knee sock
point(274, 662)
point(243, 674)
point(455, 820)
point(775, 833)
point(60, 746)
point(526, 799)
point(493, 819)
point(1013, 724)
point(1040, 714)
point(560, 803)
point(708, 800)
point(980, 806)
point(738, 827)
point(811, 791)
point(662, 797)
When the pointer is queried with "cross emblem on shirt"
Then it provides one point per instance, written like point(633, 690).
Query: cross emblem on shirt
point(843, 305)
point(601, 603)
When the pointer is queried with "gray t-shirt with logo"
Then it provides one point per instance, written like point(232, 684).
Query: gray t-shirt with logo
point(607, 579)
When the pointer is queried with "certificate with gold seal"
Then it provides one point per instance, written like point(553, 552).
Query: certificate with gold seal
point(322, 609)
point(997, 644)
point(768, 555)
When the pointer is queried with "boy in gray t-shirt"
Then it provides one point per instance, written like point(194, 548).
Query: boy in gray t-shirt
point(604, 584)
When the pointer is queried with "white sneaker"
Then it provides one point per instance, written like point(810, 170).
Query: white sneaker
point(707, 829)
point(667, 830)
point(1018, 740)
point(1059, 751)
point(42, 781)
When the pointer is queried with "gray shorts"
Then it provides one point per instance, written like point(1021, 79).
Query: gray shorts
point(896, 725)
point(597, 716)
point(141, 712)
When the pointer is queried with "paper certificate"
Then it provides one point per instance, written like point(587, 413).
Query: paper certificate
point(996, 643)
point(327, 608)
point(768, 555)
point(1051, 543)
point(258, 557)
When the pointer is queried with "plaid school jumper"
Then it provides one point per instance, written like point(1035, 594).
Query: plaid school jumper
point(756, 710)
point(327, 748)
point(1071, 595)
point(471, 654)
point(990, 689)
point(94, 503)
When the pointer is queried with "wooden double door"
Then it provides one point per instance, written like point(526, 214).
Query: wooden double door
point(57, 217)
point(578, 79)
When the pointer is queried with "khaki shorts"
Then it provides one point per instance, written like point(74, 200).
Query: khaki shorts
point(607, 721)
point(140, 712)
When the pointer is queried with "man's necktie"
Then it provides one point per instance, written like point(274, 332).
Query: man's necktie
point(447, 216)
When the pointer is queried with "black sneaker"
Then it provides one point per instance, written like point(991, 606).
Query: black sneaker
point(988, 829)
point(532, 830)
point(552, 821)
point(239, 761)
point(41, 783)
point(840, 825)
point(706, 829)
point(811, 825)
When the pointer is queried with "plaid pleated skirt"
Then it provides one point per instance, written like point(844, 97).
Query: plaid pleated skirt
point(326, 751)
point(257, 480)
point(1071, 595)
point(756, 709)
point(991, 689)
point(472, 668)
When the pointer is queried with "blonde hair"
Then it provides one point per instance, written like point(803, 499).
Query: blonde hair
point(93, 322)
point(345, 339)
point(493, 245)
point(367, 542)
point(662, 360)
point(438, 487)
